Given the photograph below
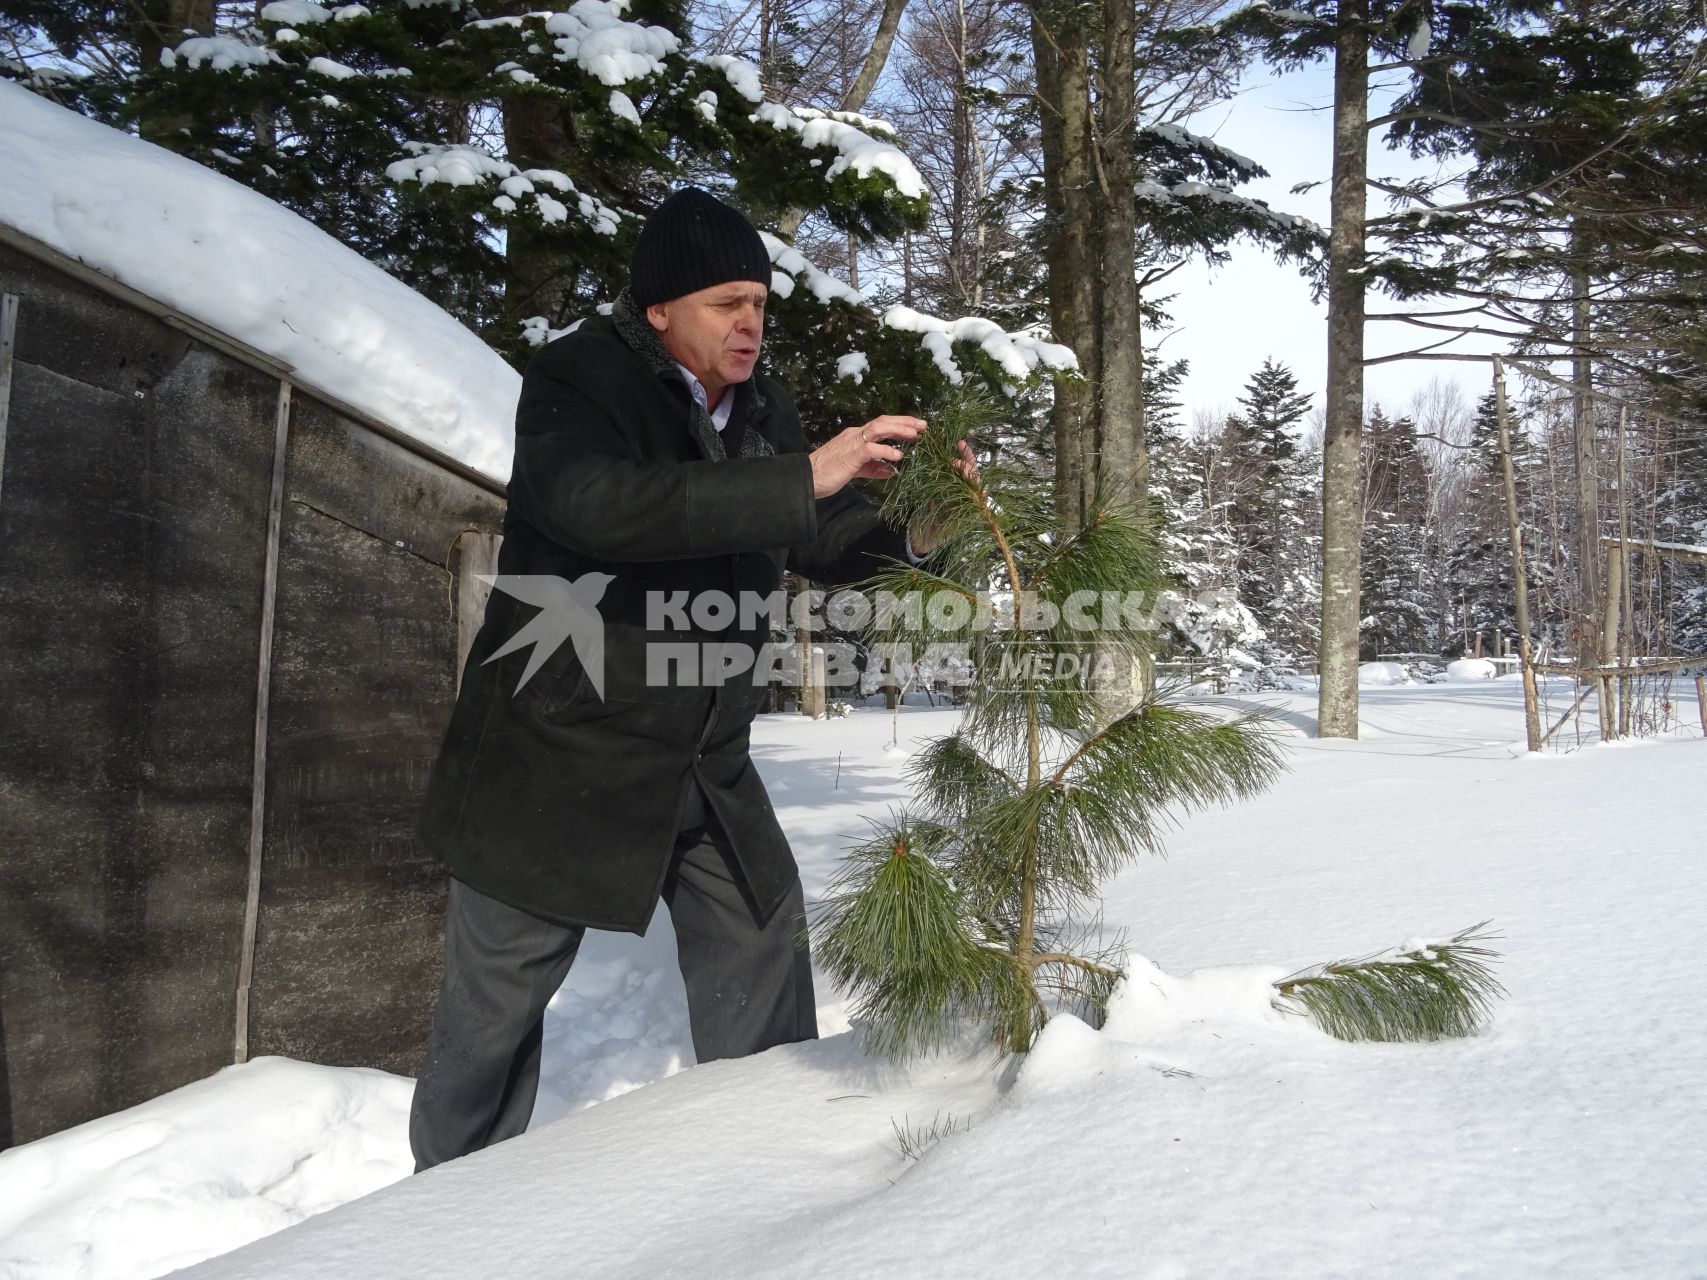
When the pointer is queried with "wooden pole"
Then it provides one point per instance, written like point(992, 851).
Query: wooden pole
point(263, 695)
point(479, 557)
point(1520, 577)
point(1645, 668)
point(1701, 701)
point(1622, 604)
point(1586, 690)
point(1612, 713)
point(8, 341)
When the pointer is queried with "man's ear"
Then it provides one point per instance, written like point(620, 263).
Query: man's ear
point(658, 317)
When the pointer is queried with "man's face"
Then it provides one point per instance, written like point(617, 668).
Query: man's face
point(715, 332)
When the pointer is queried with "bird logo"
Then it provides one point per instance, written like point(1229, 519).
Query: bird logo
point(567, 611)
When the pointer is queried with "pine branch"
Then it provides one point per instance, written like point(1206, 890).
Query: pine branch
point(897, 936)
point(1422, 991)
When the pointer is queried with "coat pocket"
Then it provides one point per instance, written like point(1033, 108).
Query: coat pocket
point(560, 691)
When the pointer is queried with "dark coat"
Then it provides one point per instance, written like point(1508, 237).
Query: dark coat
point(565, 804)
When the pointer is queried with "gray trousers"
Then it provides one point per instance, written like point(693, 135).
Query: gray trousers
point(749, 987)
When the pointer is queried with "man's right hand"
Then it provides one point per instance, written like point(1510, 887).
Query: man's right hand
point(869, 452)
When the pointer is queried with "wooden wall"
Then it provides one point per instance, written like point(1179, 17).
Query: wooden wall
point(134, 505)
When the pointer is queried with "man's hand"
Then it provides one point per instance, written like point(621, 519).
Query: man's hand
point(869, 452)
point(925, 532)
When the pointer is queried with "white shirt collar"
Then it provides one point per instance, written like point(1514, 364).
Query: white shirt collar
point(725, 405)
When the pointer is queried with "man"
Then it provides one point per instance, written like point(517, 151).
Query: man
point(652, 462)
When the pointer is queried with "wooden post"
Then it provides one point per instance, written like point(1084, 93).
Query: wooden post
point(1613, 714)
point(1626, 687)
point(811, 678)
point(1520, 577)
point(1701, 701)
point(8, 340)
point(263, 691)
point(479, 556)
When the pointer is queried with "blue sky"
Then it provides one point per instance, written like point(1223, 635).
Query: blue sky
point(1228, 320)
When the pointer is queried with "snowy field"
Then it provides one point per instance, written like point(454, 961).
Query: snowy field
point(1199, 1135)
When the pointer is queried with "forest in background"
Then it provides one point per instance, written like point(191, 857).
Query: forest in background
point(950, 170)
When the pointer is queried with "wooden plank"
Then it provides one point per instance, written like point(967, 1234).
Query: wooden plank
point(1639, 669)
point(1679, 550)
point(8, 342)
point(479, 555)
point(263, 686)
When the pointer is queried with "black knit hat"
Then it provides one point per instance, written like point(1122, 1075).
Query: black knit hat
point(692, 242)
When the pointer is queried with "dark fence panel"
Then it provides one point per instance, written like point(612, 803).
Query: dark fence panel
point(364, 665)
point(133, 524)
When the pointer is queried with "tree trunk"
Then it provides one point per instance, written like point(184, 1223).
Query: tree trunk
point(1072, 259)
point(1124, 470)
point(1519, 571)
point(1583, 420)
point(1342, 472)
point(159, 25)
point(536, 136)
point(858, 90)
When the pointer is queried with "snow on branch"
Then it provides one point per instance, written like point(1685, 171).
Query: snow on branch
point(791, 267)
point(295, 13)
point(857, 151)
point(1287, 17)
point(465, 166)
point(866, 124)
point(1155, 194)
point(219, 53)
point(1017, 354)
point(595, 37)
point(742, 75)
point(1184, 140)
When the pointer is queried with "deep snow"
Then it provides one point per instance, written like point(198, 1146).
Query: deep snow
point(1199, 1134)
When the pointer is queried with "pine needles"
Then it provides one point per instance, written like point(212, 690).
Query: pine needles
point(960, 909)
point(1423, 991)
point(915, 1140)
point(896, 934)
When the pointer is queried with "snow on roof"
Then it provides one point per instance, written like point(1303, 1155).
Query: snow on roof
point(239, 263)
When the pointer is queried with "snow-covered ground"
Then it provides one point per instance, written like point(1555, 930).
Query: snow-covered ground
point(1199, 1134)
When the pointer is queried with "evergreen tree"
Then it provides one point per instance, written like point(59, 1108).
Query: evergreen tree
point(962, 907)
point(1267, 513)
point(1397, 600)
point(1479, 579)
point(1208, 617)
point(963, 904)
point(1398, 33)
point(500, 161)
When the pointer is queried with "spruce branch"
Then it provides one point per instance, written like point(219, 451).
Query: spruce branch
point(1421, 991)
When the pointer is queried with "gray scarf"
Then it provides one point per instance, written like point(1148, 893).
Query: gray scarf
point(631, 324)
